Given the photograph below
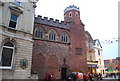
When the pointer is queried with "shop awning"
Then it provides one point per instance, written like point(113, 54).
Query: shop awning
point(92, 65)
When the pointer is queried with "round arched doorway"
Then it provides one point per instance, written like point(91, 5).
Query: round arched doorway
point(64, 73)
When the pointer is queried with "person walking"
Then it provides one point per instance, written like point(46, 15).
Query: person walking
point(96, 77)
point(85, 77)
point(49, 77)
point(77, 76)
point(100, 76)
point(90, 77)
point(80, 76)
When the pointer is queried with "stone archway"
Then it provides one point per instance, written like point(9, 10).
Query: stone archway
point(39, 65)
point(64, 73)
point(52, 65)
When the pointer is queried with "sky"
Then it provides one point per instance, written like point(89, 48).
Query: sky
point(99, 16)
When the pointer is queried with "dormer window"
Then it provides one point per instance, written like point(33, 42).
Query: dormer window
point(13, 21)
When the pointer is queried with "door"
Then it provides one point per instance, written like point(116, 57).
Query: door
point(64, 73)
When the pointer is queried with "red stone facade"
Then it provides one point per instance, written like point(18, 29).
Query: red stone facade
point(58, 57)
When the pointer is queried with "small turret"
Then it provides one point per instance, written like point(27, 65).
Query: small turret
point(72, 14)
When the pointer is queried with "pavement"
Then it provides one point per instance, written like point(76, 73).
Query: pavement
point(111, 79)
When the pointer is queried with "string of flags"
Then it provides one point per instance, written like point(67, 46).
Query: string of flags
point(111, 41)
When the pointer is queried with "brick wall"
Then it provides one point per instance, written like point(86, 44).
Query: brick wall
point(51, 56)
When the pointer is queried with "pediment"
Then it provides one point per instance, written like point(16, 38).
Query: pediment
point(15, 9)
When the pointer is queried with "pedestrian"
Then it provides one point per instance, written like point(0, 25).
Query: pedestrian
point(49, 77)
point(90, 77)
point(85, 77)
point(68, 78)
point(96, 77)
point(80, 76)
point(100, 76)
point(77, 76)
point(72, 77)
point(114, 75)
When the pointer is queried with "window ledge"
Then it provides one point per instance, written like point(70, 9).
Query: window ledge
point(1, 67)
point(16, 9)
point(42, 39)
point(14, 29)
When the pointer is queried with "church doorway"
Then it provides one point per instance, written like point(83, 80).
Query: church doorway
point(64, 73)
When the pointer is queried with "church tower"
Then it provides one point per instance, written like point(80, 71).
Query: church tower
point(72, 14)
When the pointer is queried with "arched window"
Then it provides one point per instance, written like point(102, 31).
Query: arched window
point(7, 54)
point(39, 33)
point(64, 37)
point(52, 35)
point(70, 14)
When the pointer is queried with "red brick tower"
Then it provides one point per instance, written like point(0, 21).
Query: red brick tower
point(77, 39)
point(72, 14)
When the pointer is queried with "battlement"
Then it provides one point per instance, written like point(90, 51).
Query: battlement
point(71, 7)
point(51, 22)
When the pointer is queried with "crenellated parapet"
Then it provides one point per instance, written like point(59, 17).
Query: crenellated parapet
point(71, 7)
point(51, 22)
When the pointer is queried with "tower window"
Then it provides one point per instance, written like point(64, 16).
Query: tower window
point(76, 14)
point(13, 21)
point(7, 55)
point(79, 51)
point(64, 37)
point(70, 14)
point(52, 35)
point(39, 33)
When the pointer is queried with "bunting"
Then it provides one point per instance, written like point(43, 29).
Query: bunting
point(111, 41)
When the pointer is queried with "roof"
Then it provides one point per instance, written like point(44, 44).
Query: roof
point(95, 41)
point(51, 22)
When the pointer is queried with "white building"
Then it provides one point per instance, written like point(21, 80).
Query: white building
point(99, 56)
point(16, 29)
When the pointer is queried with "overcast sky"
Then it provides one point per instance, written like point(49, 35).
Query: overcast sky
point(99, 16)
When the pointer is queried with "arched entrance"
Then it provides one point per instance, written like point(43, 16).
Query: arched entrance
point(64, 73)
